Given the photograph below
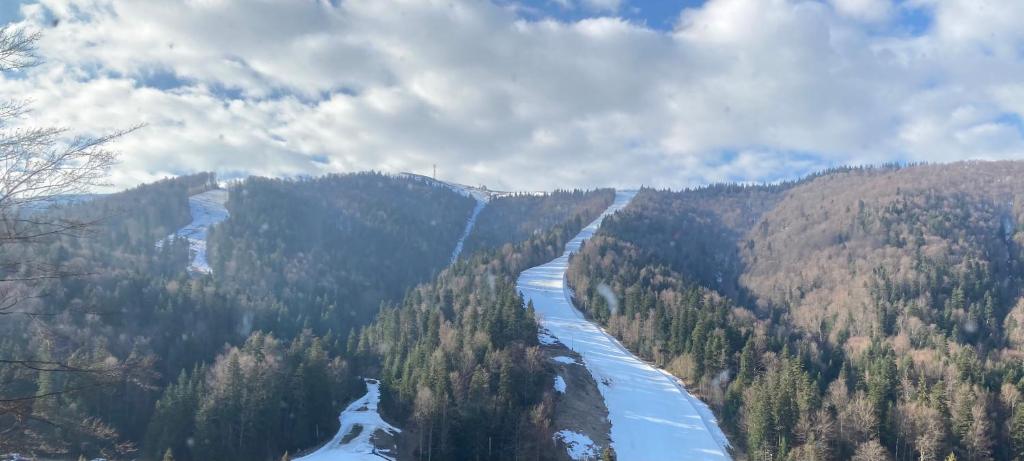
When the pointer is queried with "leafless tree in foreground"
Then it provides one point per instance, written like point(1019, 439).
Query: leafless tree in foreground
point(37, 166)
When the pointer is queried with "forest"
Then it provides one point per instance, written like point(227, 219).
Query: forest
point(219, 240)
point(461, 358)
point(127, 355)
point(862, 313)
point(518, 217)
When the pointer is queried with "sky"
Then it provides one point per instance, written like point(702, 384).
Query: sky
point(528, 94)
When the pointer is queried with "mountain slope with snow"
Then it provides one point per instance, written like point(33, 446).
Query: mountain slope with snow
point(482, 196)
point(480, 204)
point(652, 415)
point(207, 209)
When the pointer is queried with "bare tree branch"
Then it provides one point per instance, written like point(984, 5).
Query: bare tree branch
point(17, 49)
point(38, 165)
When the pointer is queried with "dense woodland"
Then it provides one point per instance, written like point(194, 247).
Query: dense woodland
point(516, 218)
point(460, 357)
point(868, 313)
point(244, 364)
point(329, 250)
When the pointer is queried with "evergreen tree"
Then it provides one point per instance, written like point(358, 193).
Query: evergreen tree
point(1017, 433)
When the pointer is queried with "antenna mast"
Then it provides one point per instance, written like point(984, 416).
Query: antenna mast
point(435, 172)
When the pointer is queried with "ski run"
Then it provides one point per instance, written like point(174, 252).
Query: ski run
point(359, 422)
point(207, 209)
point(652, 415)
point(481, 198)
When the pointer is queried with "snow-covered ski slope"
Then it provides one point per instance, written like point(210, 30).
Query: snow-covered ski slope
point(481, 201)
point(653, 417)
point(362, 419)
point(207, 209)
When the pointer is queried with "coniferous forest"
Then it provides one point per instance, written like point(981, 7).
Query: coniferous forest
point(135, 357)
point(511, 230)
point(861, 313)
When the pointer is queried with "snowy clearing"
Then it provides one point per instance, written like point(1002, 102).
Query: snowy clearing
point(362, 416)
point(207, 209)
point(652, 415)
point(578, 445)
point(564, 359)
point(559, 384)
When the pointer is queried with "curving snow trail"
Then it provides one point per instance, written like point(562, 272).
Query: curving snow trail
point(481, 201)
point(207, 209)
point(362, 419)
point(652, 416)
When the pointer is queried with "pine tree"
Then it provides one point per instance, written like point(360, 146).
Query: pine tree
point(963, 417)
point(608, 454)
point(1017, 433)
point(168, 456)
point(979, 441)
point(747, 363)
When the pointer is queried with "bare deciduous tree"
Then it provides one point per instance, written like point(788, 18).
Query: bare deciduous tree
point(37, 167)
point(871, 451)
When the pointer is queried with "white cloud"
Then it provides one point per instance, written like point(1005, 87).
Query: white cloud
point(865, 10)
point(276, 87)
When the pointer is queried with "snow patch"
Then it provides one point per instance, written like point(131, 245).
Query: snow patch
point(559, 384)
point(207, 209)
point(546, 339)
point(578, 445)
point(565, 360)
point(362, 413)
point(652, 415)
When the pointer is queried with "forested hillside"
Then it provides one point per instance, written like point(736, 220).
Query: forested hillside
point(459, 356)
point(516, 218)
point(125, 225)
point(131, 356)
point(862, 313)
point(90, 340)
point(330, 249)
point(701, 229)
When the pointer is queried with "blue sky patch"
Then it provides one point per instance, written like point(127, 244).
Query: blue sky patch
point(656, 14)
